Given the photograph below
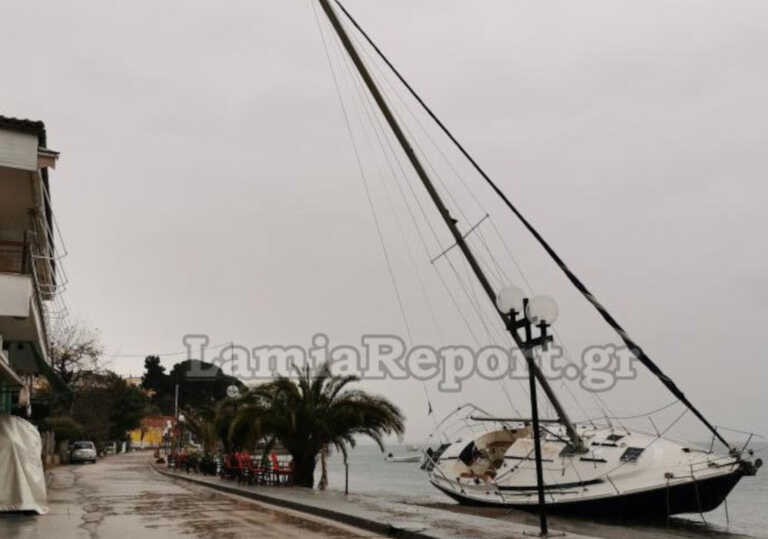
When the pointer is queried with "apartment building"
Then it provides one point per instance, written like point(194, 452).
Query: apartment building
point(28, 258)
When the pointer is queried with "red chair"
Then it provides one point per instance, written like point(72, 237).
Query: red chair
point(259, 472)
point(241, 459)
point(247, 471)
point(228, 468)
point(283, 475)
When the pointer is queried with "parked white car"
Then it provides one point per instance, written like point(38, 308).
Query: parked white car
point(82, 452)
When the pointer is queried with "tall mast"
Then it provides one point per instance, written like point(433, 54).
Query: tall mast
point(632, 346)
point(445, 214)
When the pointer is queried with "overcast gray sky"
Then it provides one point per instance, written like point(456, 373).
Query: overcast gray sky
point(207, 185)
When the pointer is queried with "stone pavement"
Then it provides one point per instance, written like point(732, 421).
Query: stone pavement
point(123, 497)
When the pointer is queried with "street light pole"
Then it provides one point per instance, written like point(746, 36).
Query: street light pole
point(541, 312)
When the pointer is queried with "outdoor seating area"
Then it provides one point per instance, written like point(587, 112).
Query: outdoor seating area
point(241, 466)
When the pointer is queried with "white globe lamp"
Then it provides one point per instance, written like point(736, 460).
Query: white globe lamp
point(510, 298)
point(542, 309)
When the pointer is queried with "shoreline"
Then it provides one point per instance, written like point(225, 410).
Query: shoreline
point(677, 528)
point(411, 516)
point(385, 517)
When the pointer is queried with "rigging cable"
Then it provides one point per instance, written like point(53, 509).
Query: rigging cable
point(610, 320)
point(378, 129)
point(369, 197)
point(401, 228)
point(432, 229)
point(601, 404)
point(366, 186)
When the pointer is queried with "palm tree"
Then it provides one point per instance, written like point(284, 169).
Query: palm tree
point(201, 422)
point(323, 483)
point(226, 411)
point(313, 412)
point(210, 424)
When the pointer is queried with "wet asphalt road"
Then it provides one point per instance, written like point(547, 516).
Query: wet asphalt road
point(122, 497)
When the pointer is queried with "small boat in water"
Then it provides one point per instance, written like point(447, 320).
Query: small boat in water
point(403, 458)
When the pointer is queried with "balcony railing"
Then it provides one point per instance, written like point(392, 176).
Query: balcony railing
point(13, 257)
point(30, 257)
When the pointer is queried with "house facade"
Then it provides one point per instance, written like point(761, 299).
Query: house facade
point(28, 259)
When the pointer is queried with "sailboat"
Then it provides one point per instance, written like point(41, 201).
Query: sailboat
point(590, 469)
point(618, 473)
point(403, 459)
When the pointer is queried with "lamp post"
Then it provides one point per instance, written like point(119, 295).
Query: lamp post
point(181, 432)
point(523, 315)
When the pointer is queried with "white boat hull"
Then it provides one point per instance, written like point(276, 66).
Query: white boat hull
point(622, 474)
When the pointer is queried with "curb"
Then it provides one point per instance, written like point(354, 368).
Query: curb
point(358, 522)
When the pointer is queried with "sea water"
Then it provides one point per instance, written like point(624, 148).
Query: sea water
point(371, 474)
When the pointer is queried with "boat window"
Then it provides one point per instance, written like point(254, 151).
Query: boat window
point(614, 437)
point(631, 454)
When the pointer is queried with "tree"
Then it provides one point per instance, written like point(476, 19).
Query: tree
point(129, 404)
point(100, 405)
point(314, 412)
point(323, 483)
point(226, 412)
point(200, 384)
point(64, 427)
point(154, 377)
point(201, 423)
point(107, 406)
point(158, 384)
point(75, 349)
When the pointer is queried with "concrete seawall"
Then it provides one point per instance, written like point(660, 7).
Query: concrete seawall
point(388, 518)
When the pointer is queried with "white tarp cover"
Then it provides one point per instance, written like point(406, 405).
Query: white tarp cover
point(22, 479)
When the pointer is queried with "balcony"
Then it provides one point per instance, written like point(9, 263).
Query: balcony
point(26, 281)
point(31, 275)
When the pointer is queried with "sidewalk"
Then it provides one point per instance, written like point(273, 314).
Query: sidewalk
point(121, 496)
point(369, 513)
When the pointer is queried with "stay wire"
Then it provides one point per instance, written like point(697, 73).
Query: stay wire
point(469, 292)
point(379, 230)
point(363, 176)
point(431, 227)
point(575, 281)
